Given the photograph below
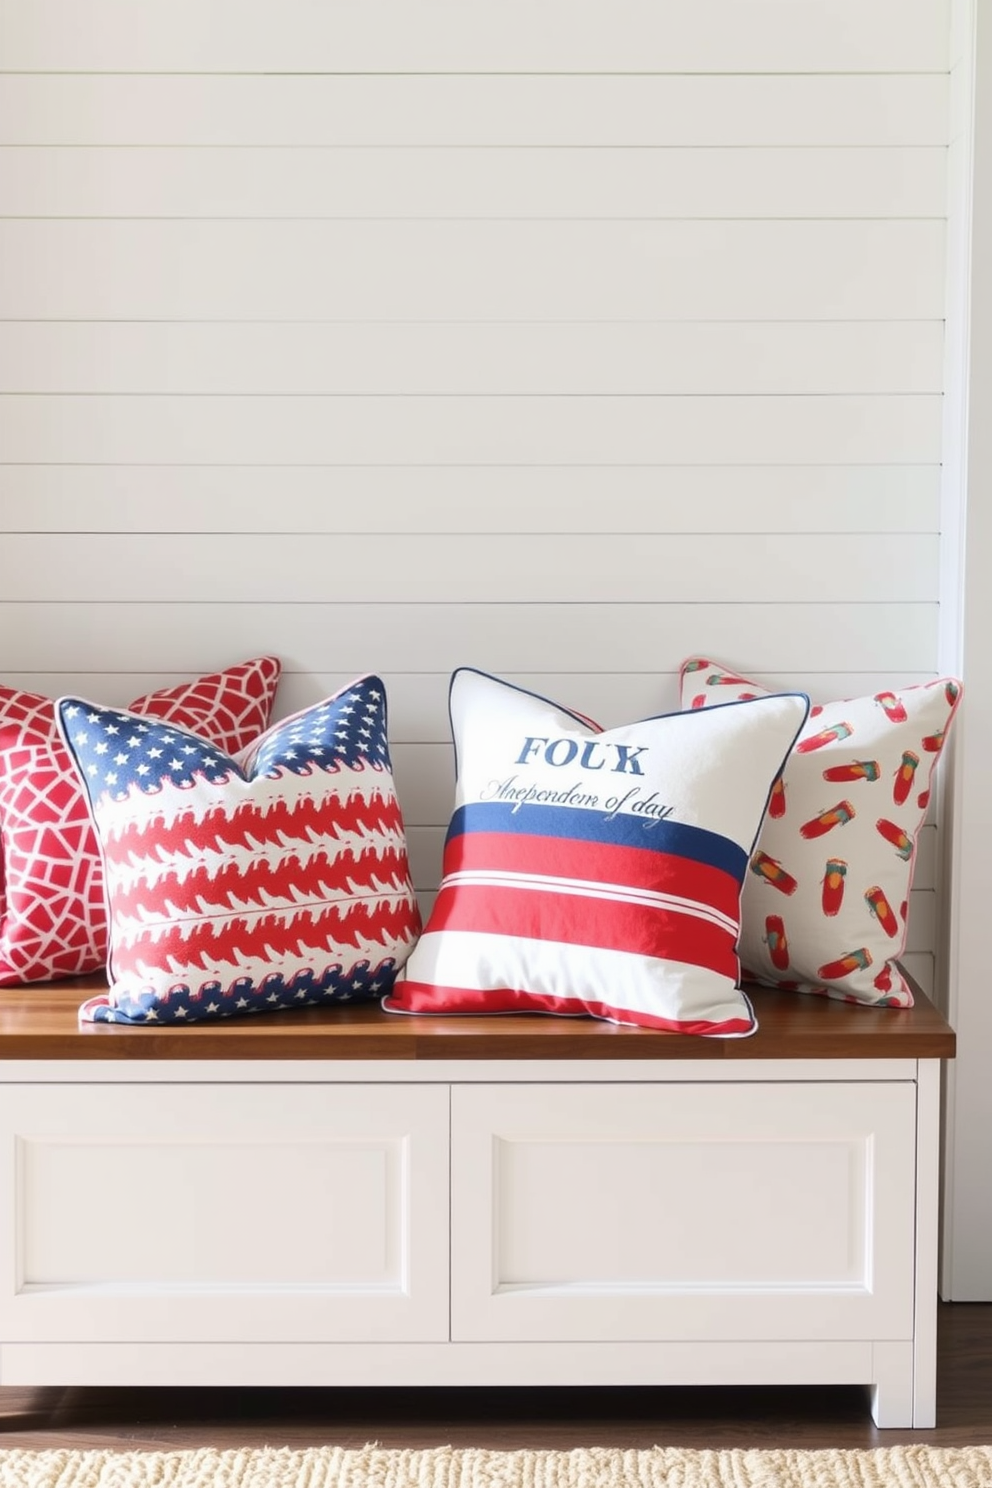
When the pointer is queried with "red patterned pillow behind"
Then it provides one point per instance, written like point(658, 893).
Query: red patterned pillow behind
point(53, 921)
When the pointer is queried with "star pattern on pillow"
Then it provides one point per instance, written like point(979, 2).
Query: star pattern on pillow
point(275, 879)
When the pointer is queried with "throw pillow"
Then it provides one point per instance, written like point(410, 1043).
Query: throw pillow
point(826, 901)
point(53, 921)
point(275, 879)
point(592, 872)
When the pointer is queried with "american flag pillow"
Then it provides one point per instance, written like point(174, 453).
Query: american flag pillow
point(597, 872)
point(826, 901)
point(276, 879)
point(53, 922)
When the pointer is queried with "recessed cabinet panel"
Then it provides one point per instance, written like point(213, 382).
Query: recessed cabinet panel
point(327, 1213)
point(678, 1214)
point(185, 1212)
point(704, 1211)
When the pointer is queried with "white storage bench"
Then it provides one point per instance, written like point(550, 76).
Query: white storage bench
point(348, 1197)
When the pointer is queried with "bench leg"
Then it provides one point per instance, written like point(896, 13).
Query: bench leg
point(892, 1389)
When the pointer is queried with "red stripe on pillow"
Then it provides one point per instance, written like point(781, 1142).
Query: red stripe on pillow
point(535, 914)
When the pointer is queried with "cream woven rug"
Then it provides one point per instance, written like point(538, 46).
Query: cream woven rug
point(446, 1467)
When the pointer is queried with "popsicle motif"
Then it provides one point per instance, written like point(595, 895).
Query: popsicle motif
point(882, 910)
point(833, 886)
point(905, 774)
point(895, 834)
point(826, 736)
point(858, 960)
point(891, 706)
point(773, 873)
point(778, 945)
point(776, 801)
point(834, 816)
point(856, 770)
point(883, 982)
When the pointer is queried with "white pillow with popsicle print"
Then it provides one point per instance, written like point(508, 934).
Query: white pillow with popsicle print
point(826, 900)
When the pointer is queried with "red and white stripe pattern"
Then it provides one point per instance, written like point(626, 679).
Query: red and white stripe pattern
point(590, 872)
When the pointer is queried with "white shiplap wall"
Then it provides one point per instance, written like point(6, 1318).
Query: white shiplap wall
point(557, 338)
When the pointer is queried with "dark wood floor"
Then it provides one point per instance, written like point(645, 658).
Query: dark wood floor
point(505, 1419)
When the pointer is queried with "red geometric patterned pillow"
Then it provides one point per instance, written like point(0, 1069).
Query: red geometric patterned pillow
point(53, 920)
point(826, 901)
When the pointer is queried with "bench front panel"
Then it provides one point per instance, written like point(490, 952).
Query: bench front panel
point(253, 1212)
point(737, 1211)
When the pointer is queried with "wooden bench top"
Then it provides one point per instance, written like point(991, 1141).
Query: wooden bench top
point(40, 1022)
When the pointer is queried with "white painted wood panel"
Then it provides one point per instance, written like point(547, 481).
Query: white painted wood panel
point(510, 430)
point(701, 1212)
point(408, 270)
point(444, 36)
point(374, 182)
point(491, 568)
point(921, 968)
point(418, 701)
point(504, 639)
point(480, 1365)
point(570, 498)
point(281, 1212)
point(342, 357)
point(375, 1072)
point(436, 109)
point(921, 926)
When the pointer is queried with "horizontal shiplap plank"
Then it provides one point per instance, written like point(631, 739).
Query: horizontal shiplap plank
point(425, 846)
point(593, 357)
point(418, 701)
point(921, 929)
point(474, 431)
point(920, 966)
point(309, 499)
point(925, 869)
point(321, 182)
point(433, 110)
point(489, 568)
point(389, 638)
point(443, 35)
point(578, 270)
